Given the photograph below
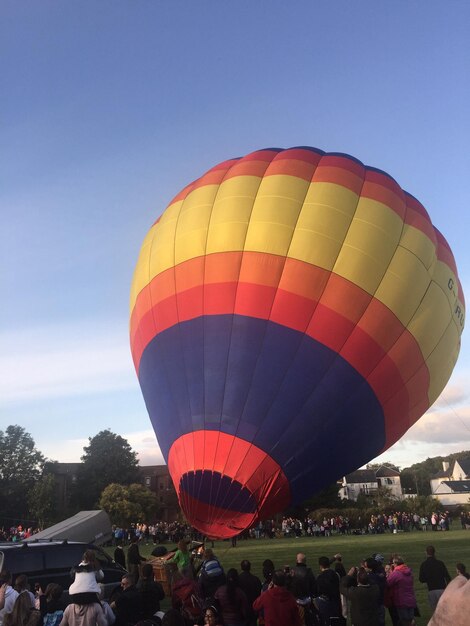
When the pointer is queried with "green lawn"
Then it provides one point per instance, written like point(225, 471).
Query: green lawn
point(451, 547)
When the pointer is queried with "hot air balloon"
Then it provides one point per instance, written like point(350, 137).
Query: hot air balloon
point(293, 313)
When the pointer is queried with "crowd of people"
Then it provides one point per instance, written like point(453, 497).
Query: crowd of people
point(17, 533)
point(202, 592)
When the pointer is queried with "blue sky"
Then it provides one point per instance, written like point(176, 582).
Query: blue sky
point(109, 108)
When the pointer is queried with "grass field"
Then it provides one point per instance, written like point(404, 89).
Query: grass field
point(451, 547)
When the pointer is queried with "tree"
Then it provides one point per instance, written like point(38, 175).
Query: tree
point(128, 504)
point(20, 467)
point(107, 459)
point(376, 466)
point(42, 500)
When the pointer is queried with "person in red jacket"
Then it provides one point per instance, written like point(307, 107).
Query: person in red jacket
point(278, 604)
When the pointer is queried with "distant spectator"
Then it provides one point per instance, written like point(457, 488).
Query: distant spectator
point(134, 559)
point(119, 555)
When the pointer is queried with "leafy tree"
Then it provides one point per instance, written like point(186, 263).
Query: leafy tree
point(20, 467)
point(376, 466)
point(107, 459)
point(422, 505)
point(42, 500)
point(127, 504)
point(384, 500)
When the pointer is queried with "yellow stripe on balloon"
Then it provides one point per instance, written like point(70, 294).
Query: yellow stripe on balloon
point(369, 245)
point(275, 213)
point(441, 361)
point(231, 214)
point(193, 221)
point(326, 216)
point(404, 269)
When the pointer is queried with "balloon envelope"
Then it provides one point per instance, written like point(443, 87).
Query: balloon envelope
point(293, 313)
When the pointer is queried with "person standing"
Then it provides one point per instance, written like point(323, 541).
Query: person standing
point(8, 594)
point(134, 559)
point(435, 575)
point(328, 599)
point(119, 555)
point(251, 585)
point(278, 604)
point(150, 591)
point(182, 558)
point(232, 601)
point(303, 579)
point(363, 597)
point(400, 582)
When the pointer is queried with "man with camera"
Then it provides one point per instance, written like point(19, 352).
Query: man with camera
point(363, 597)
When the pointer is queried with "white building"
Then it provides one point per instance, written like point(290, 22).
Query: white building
point(367, 482)
point(451, 485)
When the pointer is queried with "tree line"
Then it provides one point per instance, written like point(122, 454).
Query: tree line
point(108, 477)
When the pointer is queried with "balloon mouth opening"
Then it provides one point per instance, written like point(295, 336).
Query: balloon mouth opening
point(216, 504)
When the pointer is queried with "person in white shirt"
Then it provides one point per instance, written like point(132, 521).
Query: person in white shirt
point(8, 594)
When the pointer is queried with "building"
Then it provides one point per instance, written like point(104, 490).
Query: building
point(65, 477)
point(157, 478)
point(451, 486)
point(367, 482)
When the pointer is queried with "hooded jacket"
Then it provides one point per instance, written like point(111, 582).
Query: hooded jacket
point(279, 606)
point(400, 581)
point(10, 599)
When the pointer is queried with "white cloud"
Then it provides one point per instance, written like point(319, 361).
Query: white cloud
point(64, 360)
point(146, 445)
point(70, 450)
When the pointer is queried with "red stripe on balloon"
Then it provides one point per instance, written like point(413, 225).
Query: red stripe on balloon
point(230, 456)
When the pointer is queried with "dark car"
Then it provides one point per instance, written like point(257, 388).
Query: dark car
point(47, 562)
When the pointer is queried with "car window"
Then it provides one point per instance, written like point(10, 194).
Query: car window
point(63, 557)
point(23, 561)
point(103, 558)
